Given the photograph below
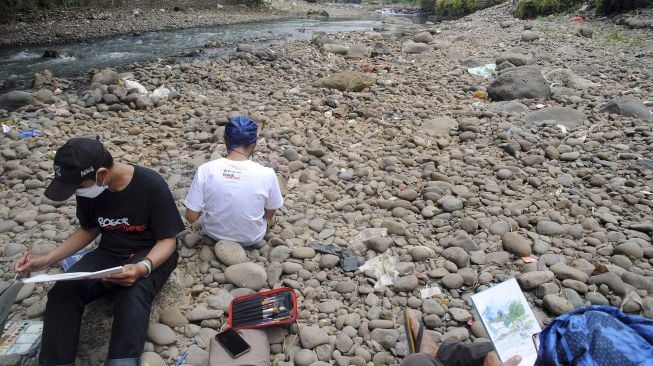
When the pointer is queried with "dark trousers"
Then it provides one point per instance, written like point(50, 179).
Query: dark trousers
point(131, 311)
point(452, 353)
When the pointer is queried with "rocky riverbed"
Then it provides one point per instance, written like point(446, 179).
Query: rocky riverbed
point(76, 25)
point(385, 144)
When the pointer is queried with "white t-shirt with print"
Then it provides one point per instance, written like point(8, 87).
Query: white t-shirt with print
point(233, 195)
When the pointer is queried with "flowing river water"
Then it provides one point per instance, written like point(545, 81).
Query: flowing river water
point(18, 65)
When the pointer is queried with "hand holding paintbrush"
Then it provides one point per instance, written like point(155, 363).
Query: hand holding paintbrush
point(30, 262)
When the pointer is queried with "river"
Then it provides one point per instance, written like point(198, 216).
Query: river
point(18, 65)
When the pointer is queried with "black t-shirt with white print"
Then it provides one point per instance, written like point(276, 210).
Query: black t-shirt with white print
point(134, 218)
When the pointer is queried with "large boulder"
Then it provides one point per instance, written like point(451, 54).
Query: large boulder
point(628, 105)
point(413, 47)
point(338, 49)
point(14, 99)
point(518, 83)
point(106, 77)
point(345, 81)
point(567, 117)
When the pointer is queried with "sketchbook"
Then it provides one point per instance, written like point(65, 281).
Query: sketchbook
point(72, 275)
point(509, 321)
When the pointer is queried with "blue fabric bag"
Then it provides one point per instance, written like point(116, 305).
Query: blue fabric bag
point(597, 336)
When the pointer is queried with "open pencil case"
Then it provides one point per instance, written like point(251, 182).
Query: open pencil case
point(263, 309)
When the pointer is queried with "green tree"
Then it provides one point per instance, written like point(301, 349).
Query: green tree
point(515, 312)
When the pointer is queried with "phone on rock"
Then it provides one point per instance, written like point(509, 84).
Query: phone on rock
point(233, 343)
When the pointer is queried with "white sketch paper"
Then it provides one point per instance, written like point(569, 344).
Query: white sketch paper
point(509, 321)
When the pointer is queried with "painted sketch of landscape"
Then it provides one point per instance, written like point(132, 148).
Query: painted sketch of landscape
point(508, 320)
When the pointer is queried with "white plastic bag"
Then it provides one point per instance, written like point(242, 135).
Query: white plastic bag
point(384, 267)
point(484, 71)
point(161, 92)
point(131, 84)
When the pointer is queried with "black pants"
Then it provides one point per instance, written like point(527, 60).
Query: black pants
point(131, 311)
point(452, 353)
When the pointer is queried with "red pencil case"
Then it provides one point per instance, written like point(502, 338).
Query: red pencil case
point(263, 309)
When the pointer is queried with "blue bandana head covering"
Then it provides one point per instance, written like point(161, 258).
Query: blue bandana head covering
point(240, 131)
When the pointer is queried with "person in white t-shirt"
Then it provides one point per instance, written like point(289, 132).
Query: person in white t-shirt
point(235, 197)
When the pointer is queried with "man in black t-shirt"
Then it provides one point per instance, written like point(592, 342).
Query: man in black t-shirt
point(133, 209)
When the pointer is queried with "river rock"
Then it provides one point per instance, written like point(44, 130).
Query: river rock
point(557, 305)
point(172, 317)
point(457, 255)
point(549, 228)
point(517, 244)
point(106, 77)
point(161, 334)
point(567, 117)
point(628, 105)
point(345, 81)
point(531, 280)
point(249, 275)
point(152, 359)
point(338, 49)
point(229, 252)
point(412, 47)
point(197, 356)
point(423, 37)
point(379, 244)
point(406, 283)
point(312, 336)
point(518, 83)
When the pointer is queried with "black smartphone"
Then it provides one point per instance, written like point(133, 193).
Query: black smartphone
point(232, 342)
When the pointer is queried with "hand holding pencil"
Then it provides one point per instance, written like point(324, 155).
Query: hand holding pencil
point(31, 262)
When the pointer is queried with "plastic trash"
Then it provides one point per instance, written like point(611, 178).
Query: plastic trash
point(370, 233)
point(479, 94)
point(161, 92)
point(562, 128)
point(30, 132)
point(131, 84)
point(5, 129)
point(483, 71)
point(384, 267)
point(428, 292)
point(348, 261)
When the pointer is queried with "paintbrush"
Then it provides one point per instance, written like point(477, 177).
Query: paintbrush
point(23, 260)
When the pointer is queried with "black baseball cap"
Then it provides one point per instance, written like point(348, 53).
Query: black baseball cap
point(76, 161)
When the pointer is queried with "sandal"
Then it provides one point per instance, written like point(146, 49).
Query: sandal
point(414, 341)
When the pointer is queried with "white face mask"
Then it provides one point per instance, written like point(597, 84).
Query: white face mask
point(92, 191)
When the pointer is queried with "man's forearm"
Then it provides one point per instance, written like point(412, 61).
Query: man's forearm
point(269, 214)
point(161, 251)
point(75, 242)
point(192, 216)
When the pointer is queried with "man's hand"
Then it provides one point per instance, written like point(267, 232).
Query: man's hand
point(31, 263)
point(130, 274)
point(491, 359)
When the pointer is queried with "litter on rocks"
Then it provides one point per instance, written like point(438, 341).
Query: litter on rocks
point(370, 233)
point(384, 267)
point(483, 71)
point(428, 292)
point(131, 84)
point(161, 92)
point(30, 132)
